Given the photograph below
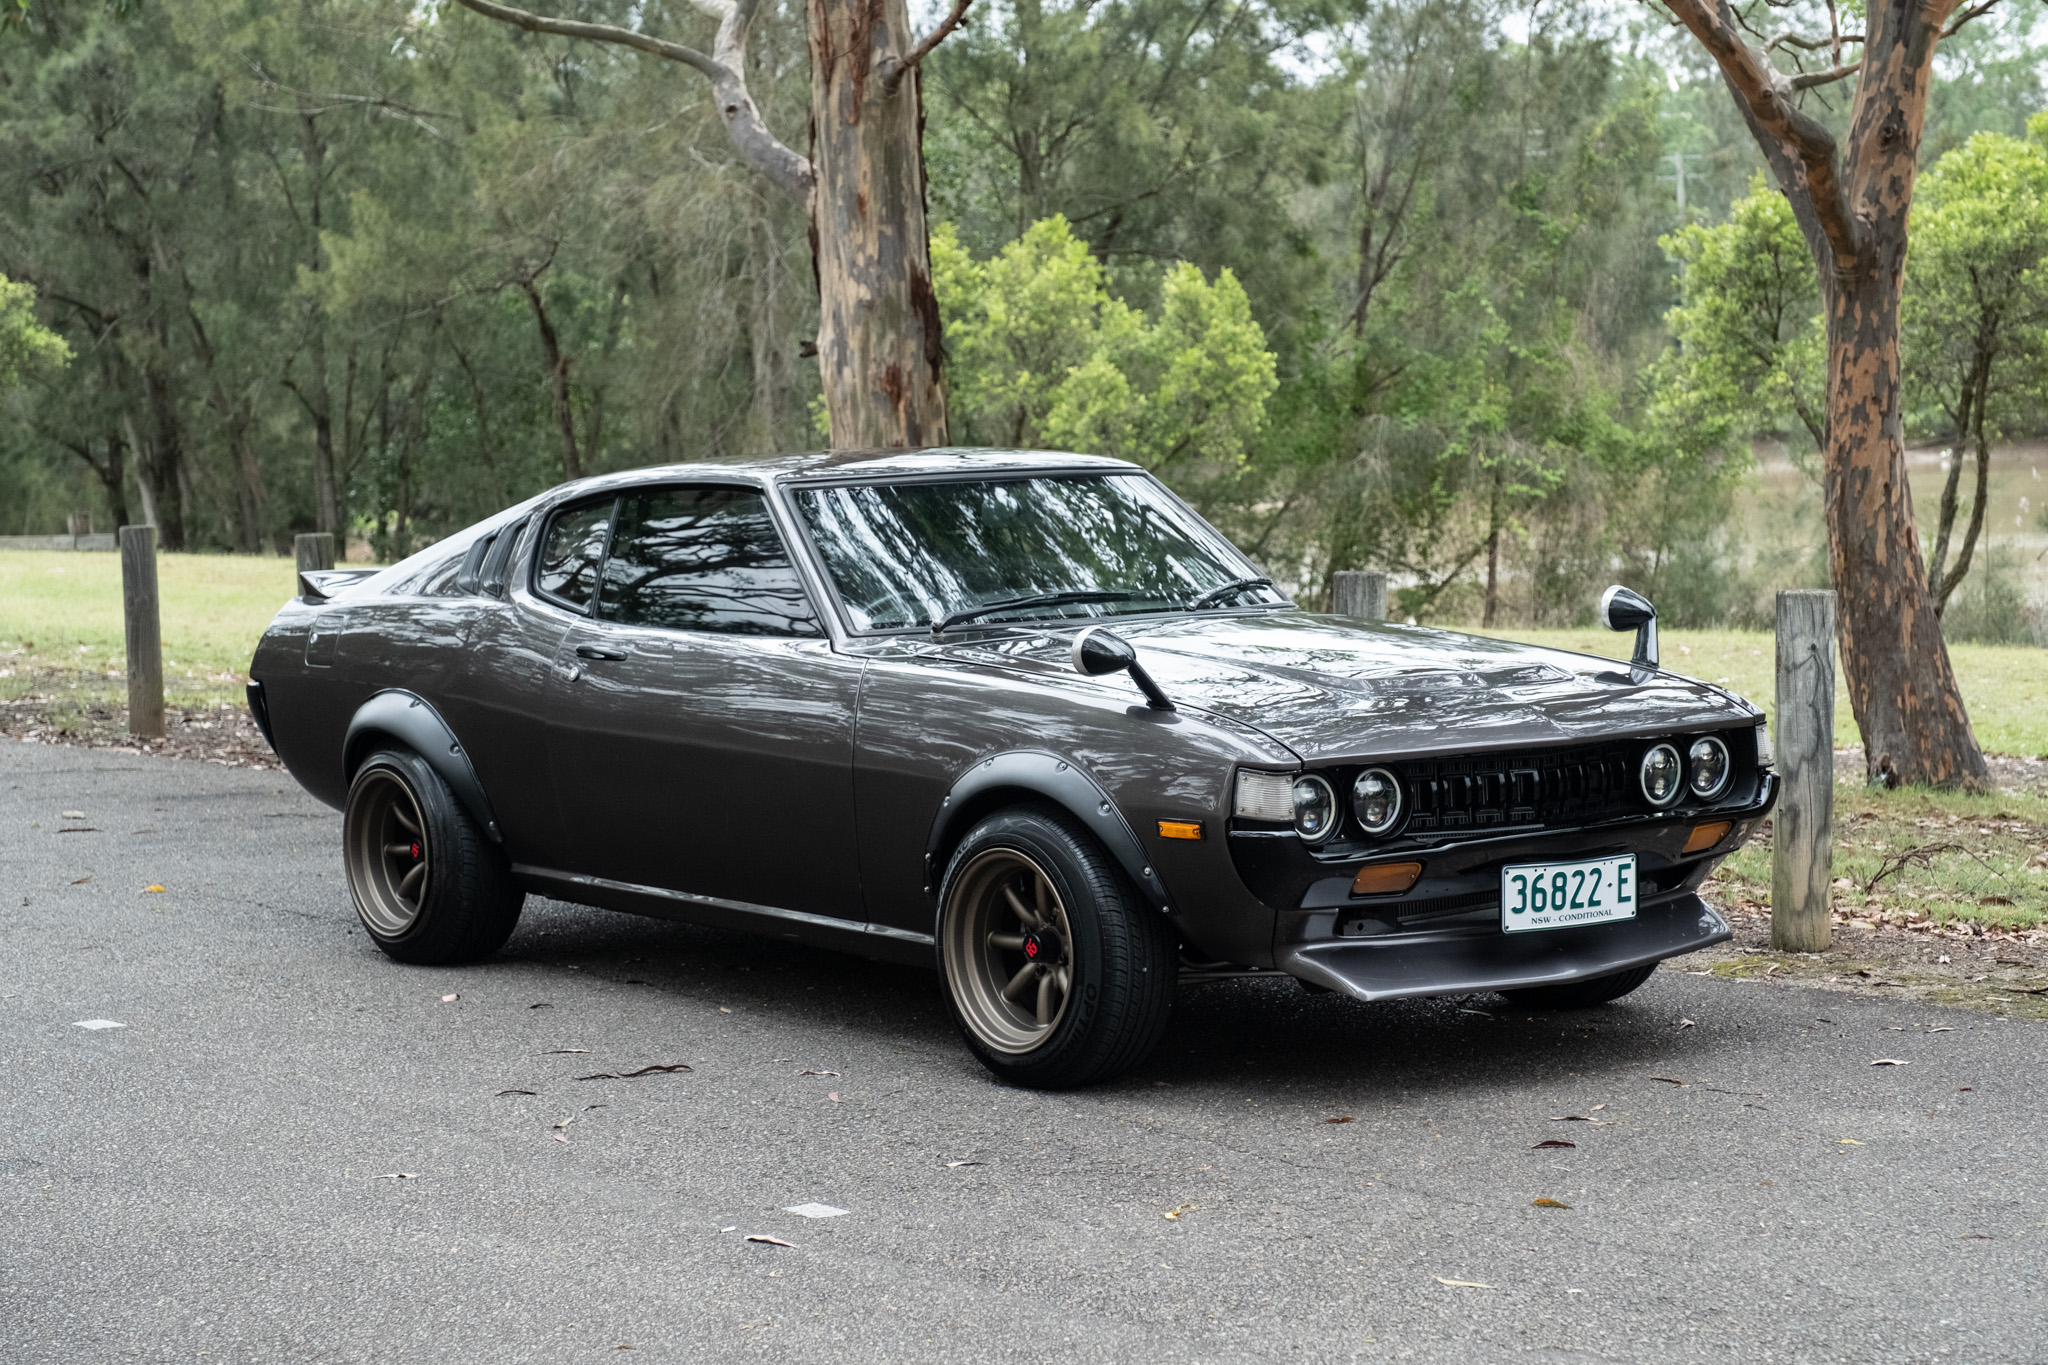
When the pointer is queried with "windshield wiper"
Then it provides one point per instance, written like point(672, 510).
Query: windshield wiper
point(1236, 585)
point(1041, 599)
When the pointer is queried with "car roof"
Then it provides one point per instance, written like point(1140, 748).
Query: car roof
point(859, 465)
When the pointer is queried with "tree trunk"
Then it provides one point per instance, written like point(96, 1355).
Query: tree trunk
point(1901, 686)
point(879, 349)
point(558, 381)
point(764, 271)
point(1945, 584)
point(1493, 549)
point(166, 440)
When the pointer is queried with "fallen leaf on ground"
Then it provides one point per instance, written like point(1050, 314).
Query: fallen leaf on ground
point(561, 1137)
point(817, 1073)
point(1973, 1237)
point(72, 814)
point(543, 1005)
point(1342, 1118)
point(1687, 1023)
point(832, 1095)
point(1847, 1142)
point(1460, 1284)
point(723, 1010)
point(1941, 1028)
point(153, 886)
point(1890, 1061)
point(1668, 1080)
point(81, 881)
point(1961, 1088)
point(1580, 1118)
point(771, 1241)
point(1552, 1142)
point(559, 1051)
point(446, 998)
point(643, 1071)
point(1173, 1215)
point(956, 1165)
point(399, 1175)
point(816, 1210)
point(516, 1092)
point(1547, 1204)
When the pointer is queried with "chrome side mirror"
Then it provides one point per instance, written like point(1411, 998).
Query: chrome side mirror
point(1098, 651)
point(1626, 609)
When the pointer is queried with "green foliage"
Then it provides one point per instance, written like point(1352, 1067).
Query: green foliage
point(1751, 349)
point(1041, 355)
point(26, 346)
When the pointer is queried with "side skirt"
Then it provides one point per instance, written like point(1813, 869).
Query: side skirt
point(819, 931)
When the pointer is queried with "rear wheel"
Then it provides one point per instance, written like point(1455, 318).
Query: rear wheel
point(427, 885)
point(1057, 975)
point(1579, 995)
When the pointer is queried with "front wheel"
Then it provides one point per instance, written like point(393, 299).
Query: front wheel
point(1056, 974)
point(1580, 995)
point(427, 884)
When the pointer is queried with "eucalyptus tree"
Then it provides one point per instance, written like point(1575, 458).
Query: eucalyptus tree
point(1976, 315)
point(880, 354)
point(1851, 195)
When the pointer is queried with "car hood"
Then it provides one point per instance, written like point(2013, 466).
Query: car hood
point(1332, 688)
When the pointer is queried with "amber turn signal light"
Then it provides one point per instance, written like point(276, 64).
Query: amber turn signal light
point(1385, 879)
point(1180, 829)
point(1705, 837)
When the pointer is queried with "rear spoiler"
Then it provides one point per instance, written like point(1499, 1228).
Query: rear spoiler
point(317, 585)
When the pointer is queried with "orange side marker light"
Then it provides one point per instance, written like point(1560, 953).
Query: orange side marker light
point(1385, 879)
point(1706, 836)
point(1180, 829)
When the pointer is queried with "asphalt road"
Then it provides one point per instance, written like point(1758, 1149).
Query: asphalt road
point(212, 1181)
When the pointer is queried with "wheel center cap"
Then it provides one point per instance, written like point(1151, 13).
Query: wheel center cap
point(415, 852)
point(1036, 949)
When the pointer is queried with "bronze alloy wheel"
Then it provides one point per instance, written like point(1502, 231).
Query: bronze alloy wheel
point(387, 854)
point(1008, 950)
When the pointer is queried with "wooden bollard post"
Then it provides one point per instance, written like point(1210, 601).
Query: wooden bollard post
point(1803, 828)
point(315, 550)
point(144, 632)
point(1359, 592)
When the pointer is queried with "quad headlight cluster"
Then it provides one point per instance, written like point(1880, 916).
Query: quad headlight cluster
point(1704, 772)
point(1311, 805)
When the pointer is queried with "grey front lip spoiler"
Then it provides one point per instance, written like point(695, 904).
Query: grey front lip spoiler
point(1459, 961)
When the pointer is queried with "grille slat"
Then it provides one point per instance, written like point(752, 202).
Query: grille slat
point(1501, 790)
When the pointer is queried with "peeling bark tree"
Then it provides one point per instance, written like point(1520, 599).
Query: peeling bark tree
point(879, 350)
point(1852, 204)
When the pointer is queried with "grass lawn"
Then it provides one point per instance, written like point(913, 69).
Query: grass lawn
point(60, 613)
point(2004, 686)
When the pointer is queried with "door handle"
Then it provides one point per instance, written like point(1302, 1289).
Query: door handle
point(598, 652)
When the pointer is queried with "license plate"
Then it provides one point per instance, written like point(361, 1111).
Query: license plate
point(1563, 895)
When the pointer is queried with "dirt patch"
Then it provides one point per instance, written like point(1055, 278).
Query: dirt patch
point(207, 731)
point(2017, 773)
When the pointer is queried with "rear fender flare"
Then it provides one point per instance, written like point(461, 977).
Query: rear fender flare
point(1033, 774)
point(412, 721)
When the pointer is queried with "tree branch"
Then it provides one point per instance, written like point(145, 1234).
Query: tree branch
point(757, 146)
point(1802, 152)
point(1976, 11)
point(897, 70)
point(1807, 80)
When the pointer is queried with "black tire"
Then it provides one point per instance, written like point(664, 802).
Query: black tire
point(1116, 955)
point(428, 886)
point(1582, 995)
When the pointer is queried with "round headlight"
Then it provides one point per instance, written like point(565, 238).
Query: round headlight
point(1376, 801)
point(1659, 775)
point(1708, 761)
point(1315, 809)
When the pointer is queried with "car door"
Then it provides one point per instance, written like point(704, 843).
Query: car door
point(701, 727)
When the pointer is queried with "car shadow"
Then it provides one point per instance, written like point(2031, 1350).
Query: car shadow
point(1267, 1036)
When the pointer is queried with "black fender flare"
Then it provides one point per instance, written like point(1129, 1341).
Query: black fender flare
point(1022, 774)
point(412, 721)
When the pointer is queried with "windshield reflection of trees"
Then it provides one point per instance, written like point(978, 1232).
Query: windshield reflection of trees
point(703, 559)
point(905, 555)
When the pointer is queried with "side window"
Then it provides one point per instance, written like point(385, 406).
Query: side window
point(469, 577)
point(496, 569)
point(703, 559)
point(571, 552)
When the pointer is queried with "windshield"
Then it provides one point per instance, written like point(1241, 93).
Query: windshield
point(908, 555)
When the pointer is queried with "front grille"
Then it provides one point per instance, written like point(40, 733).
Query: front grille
point(1500, 791)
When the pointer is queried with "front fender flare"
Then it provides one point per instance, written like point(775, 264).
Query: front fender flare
point(1023, 774)
point(412, 721)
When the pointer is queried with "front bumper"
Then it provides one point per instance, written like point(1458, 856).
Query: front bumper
point(1467, 959)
